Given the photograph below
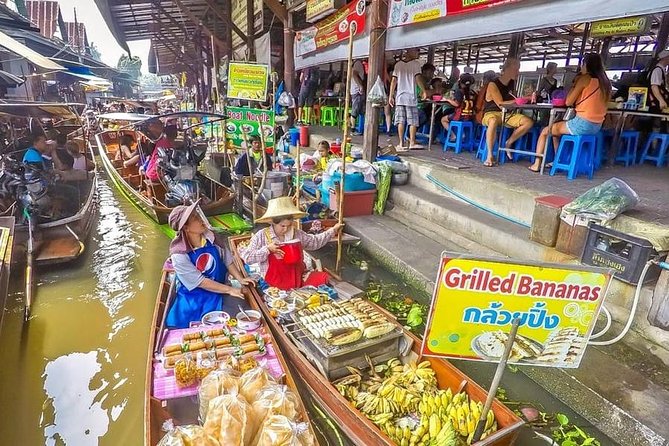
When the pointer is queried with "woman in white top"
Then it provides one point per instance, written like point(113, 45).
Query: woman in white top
point(80, 161)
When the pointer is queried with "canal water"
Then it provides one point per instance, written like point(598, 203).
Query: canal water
point(74, 374)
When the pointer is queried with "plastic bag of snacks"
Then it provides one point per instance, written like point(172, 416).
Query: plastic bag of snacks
point(253, 381)
point(276, 400)
point(185, 371)
point(230, 421)
point(377, 94)
point(217, 383)
point(279, 430)
point(187, 436)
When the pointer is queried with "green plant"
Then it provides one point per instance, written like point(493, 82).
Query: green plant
point(567, 434)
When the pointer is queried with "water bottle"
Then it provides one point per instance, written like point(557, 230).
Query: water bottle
point(338, 141)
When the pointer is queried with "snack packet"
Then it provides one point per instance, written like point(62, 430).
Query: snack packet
point(217, 383)
point(187, 436)
point(253, 381)
point(276, 400)
point(229, 420)
point(279, 430)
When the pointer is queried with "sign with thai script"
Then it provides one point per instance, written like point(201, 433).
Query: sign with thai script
point(317, 9)
point(249, 120)
point(627, 26)
point(247, 81)
point(476, 299)
point(332, 30)
point(406, 12)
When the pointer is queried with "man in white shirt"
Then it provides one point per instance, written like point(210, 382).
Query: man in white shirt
point(658, 96)
point(357, 94)
point(404, 98)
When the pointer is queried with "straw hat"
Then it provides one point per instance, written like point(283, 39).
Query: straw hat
point(281, 207)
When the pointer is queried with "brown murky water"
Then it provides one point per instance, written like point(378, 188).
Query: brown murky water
point(74, 375)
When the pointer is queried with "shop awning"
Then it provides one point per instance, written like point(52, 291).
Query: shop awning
point(37, 59)
point(336, 53)
point(89, 78)
point(516, 17)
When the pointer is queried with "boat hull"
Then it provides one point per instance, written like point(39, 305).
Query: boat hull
point(159, 213)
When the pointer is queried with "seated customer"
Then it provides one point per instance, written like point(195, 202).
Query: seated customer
point(125, 152)
point(463, 101)
point(202, 262)
point(37, 154)
point(80, 162)
point(498, 94)
point(242, 166)
point(265, 247)
point(589, 97)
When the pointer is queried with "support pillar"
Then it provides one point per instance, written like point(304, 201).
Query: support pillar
point(515, 45)
point(289, 60)
point(377, 64)
point(570, 49)
point(250, 30)
point(662, 34)
point(584, 42)
point(430, 55)
point(454, 58)
point(604, 49)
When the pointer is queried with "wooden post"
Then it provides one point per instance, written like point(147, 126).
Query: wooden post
point(250, 29)
point(376, 67)
point(430, 55)
point(347, 103)
point(584, 41)
point(515, 44)
point(289, 61)
point(297, 174)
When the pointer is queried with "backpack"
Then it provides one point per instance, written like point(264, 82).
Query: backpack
point(479, 104)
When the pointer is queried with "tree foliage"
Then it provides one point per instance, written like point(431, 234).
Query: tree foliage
point(132, 65)
point(95, 52)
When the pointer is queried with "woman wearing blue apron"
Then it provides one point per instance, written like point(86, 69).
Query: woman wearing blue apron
point(201, 263)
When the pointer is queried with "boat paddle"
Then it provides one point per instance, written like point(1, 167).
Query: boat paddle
point(30, 259)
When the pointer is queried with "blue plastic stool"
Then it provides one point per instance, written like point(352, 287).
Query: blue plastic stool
point(478, 133)
point(421, 137)
point(627, 148)
point(464, 136)
point(528, 142)
point(482, 151)
point(575, 155)
point(658, 155)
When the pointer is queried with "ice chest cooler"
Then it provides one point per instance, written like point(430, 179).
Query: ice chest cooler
point(355, 203)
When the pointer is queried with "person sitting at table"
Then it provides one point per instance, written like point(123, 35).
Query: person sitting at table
point(498, 94)
point(463, 101)
point(590, 97)
point(547, 84)
point(282, 265)
point(202, 263)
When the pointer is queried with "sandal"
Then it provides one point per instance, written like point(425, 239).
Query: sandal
point(532, 170)
point(489, 163)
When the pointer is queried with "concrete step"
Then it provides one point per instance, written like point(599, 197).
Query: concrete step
point(622, 391)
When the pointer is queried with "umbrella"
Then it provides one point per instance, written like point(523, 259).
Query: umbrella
point(10, 80)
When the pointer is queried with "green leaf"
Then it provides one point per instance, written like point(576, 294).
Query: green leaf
point(580, 432)
point(562, 419)
point(588, 441)
point(415, 316)
point(568, 443)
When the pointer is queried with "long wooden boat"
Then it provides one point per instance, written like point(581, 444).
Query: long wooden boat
point(147, 195)
point(354, 423)
point(183, 411)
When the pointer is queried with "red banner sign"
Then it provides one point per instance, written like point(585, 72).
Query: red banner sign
point(406, 12)
point(332, 30)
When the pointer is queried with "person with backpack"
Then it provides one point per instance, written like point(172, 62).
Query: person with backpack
point(463, 101)
point(479, 102)
point(658, 95)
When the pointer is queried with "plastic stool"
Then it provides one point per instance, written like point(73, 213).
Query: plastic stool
point(482, 151)
point(528, 142)
point(360, 123)
point(658, 155)
point(464, 136)
point(576, 154)
point(328, 116)
point(627, 148)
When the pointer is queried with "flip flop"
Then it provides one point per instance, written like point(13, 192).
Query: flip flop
point(416, 147)
point(532, 170)
point(489, 163)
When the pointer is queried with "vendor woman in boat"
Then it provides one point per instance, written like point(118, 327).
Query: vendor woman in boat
point(202, 263)
point(281, 263)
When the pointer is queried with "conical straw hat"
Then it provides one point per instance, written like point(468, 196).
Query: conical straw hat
point(280, 207)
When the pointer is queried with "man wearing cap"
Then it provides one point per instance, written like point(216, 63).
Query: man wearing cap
point(658, 98)
point(278, 249)
point(202, 264)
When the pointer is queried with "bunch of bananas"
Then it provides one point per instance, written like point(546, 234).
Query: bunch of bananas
point(457, 410)
point(399, 435)
point(374, 404)
point(432, 432)
point(421, 375)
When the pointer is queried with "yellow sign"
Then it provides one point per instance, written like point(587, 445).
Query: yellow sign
point(319, 8)
point(247, 81)
point(628, 26)
point(476, 300)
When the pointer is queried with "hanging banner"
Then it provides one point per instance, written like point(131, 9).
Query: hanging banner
point(627, 26)
point(406, 12)
point(332, 30)
point(317, 9)
point(476, 299)
point(247, 81)
point(249, 120)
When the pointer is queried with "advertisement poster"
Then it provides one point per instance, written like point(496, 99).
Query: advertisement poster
point(406, 12)
point(317, 9)
point(476, 299)
point(332, 30)
point(247, 81)
point(249, 120)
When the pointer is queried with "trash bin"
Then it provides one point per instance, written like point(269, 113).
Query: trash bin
point(294, 136)
point(304, 135)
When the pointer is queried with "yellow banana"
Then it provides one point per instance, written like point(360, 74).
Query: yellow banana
point(471, 424)
point(462, 421)
point(489, 420)
point(444, 399)
point(434, 426)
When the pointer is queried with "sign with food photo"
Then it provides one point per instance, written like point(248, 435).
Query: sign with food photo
point(476, 299)
point(247, 81)
point(249, 120)
point(332, 30)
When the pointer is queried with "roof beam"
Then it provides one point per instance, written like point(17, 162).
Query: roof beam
point(196, 21)
point(278, 9)
point(214, 7)
point(179, 57)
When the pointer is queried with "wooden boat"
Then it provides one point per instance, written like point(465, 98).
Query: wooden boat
point(355, 424)
point(184, 411)
point(6, 245)
point(149, 195)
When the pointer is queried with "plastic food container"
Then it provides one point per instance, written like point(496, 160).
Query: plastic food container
point(559, 102)
point(437, 97)
point(246, 324)
point(521, 101)
point(215, 317)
